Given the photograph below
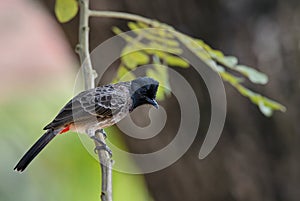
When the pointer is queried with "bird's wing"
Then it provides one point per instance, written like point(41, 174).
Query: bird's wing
point(98, 103)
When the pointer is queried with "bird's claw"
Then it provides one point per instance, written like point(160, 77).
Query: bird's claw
point(102, 132)
point(103, 146)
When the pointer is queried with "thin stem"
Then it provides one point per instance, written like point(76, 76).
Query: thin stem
point(83, 47)
point(106, 168)
point(89, 80)
point(125, 16)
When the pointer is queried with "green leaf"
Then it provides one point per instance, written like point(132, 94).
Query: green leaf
point(176, 61)
point(217, 54)
point(159, 35)
point(116, 30)
point(220, 68)
point(162, 47)
point(133, 59)
point(267, 111)
point(133, 25)
point(230, 78)
point(253, 75)
point(65, 10)
point(165, 44)
point(230, 61)
point(265, 105)
point(169, 58)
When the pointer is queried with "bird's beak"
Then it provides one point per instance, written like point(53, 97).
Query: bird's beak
point(152, 102)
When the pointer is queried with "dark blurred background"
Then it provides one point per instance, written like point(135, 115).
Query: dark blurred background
point(257, 158)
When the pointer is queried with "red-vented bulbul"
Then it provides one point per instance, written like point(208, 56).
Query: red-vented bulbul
point(95, 108)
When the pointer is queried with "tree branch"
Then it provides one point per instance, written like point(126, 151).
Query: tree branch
point(89, 80)
point(106, 168)
point(82, 47)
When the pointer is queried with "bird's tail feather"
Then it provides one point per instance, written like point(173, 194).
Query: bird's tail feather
point(35, 150)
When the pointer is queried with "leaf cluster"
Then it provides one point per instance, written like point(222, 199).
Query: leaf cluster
point(161, 45)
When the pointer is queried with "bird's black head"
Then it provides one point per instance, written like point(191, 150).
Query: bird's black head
point(143, 91)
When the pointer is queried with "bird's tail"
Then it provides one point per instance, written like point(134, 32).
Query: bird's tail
point(35, 150)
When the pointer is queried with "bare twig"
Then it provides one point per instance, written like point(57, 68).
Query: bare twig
point(89, 80)
point(125, 16)
point(106, 169)
point(82, 47)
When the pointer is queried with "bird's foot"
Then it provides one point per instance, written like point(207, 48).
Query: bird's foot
point(102, 131)
point(102, 146)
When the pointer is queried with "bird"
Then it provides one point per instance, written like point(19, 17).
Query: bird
point(93, 109)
